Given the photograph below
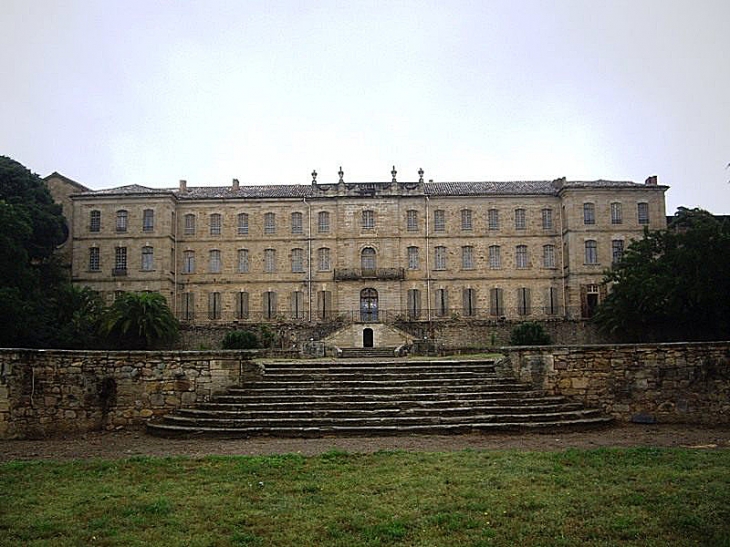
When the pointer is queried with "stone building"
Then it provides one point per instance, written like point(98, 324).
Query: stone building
point(363, 252)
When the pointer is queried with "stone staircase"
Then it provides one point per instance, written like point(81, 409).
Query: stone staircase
point(367, 353)
point(384, 397)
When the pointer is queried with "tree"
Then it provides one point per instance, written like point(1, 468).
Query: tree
point(78, 313)
point(139, 321)
point(672, 284)
point(529, 334)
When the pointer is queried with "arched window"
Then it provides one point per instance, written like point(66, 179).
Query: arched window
point(367, 259)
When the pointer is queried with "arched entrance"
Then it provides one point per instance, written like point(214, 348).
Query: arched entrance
point(368, 305)
point(367, 338)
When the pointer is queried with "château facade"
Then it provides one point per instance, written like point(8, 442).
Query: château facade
point(363, 252)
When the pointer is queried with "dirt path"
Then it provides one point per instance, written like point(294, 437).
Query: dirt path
point(122, 444)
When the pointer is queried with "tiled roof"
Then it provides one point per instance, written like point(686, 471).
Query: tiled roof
point(525, 187)
point(130, 189)
point(252, 192)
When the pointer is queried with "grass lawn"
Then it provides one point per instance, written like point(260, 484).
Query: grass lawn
point(577, 497)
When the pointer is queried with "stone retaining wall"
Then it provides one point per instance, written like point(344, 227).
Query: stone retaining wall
point(676, 382)
point(49, 392)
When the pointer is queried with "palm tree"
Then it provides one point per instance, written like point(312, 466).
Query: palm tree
point(140, 320)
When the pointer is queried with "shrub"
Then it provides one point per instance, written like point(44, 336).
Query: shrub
point(529, 334)
point(240, 339)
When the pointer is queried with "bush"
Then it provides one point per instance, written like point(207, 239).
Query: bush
point(529, 334)
point(240, 339)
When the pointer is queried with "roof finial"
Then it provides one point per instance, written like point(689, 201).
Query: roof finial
point(394, 173)
point(314, 177)
point(342, 174)
point(420, 175)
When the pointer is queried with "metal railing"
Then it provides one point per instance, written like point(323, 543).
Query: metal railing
point(354, 274)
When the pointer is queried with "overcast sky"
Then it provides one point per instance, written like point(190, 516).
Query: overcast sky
point(111, 92)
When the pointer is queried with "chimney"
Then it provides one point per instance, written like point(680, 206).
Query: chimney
point(183, 186)
point(651, 181)
point(235, 185)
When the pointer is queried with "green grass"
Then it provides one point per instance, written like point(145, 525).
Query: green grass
point(577, 497)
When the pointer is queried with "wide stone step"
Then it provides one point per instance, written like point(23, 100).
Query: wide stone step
point(366, 353)
point(381, 365)
point(341, 385)
point(342, 375)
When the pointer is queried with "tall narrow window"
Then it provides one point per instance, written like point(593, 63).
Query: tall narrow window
point(323, 259)
point(617, 250)
point(94, 265)
point(412, 258)
point(439, 220)
point(297, 260)
point(493, 219)
point(214, 305)
point(412, 220)
point(551, 301)
point(269, 223)
point(188, 262)
point(643, 213)
point(469, 302)
point(323, 222)
point(521, 256)
point(414, 303)
point(148, 220)
point(324, 304)
point(188, 306)
point(297, 305)
point(589, 213)
point(242, 260)
point(296, 223)
point(548, 256)
point(148, 262)
point(442, 302)
point(466, 220)
point(120, 261)
point(368, 219)
point(269, 304)
point(242, 305)
point(617, 216)
point(439, 262)
point(121, 221)
point(367, 260)
point(189, 224)
point(215, 224)
point(591, 252)
point(467, 257)
point(523, 301)
point(495, 258)
point(214, 265)
point(242, 224)
point(520, 219)
point(95, 221)
point(496, 302)
point(547, 219)
point(269, 260)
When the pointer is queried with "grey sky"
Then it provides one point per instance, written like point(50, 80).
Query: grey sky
point(148, 92)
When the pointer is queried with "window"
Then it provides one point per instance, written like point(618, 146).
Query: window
point(324, 304)
point(242, 305)
point(297, 260)
point(120, 261)
point(242, 260)
point(269, 304)
point(269, 223)
point(94, 265)
point(496, 302)
point(495, 259)
point(148, 261)
point(367, 259)
point(643, 212)
point(148, 220)
point(551, 301)
point(121, 221)
point(297, 305)
point(413, 303)
point(95, 221)
point(523, 301)
point(323, 224)
point(467, 258)
point(493, 219)
point(323, 259)
point(589, 213)
point(215, 224)
point(548, 256)
point(547, 219)
point(269, 260)
point(617, 216)
point(188, 306)
point(296, 223)
point(214, 305)
point(368, 220)
point(439, 220)
point(617, 250)
point(520, 219)
point(242, 224)
point(521, 256)
point(442, 302)
point(214, 264)
point(189, 224)
point(591, 252)
point(188, 262)
point(466, 218)
point(469, 302)
point(412, 258)
point(412, 220)
point(439, 258)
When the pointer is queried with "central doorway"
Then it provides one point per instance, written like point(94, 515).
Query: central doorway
point(367, 338)
point(368, 305)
